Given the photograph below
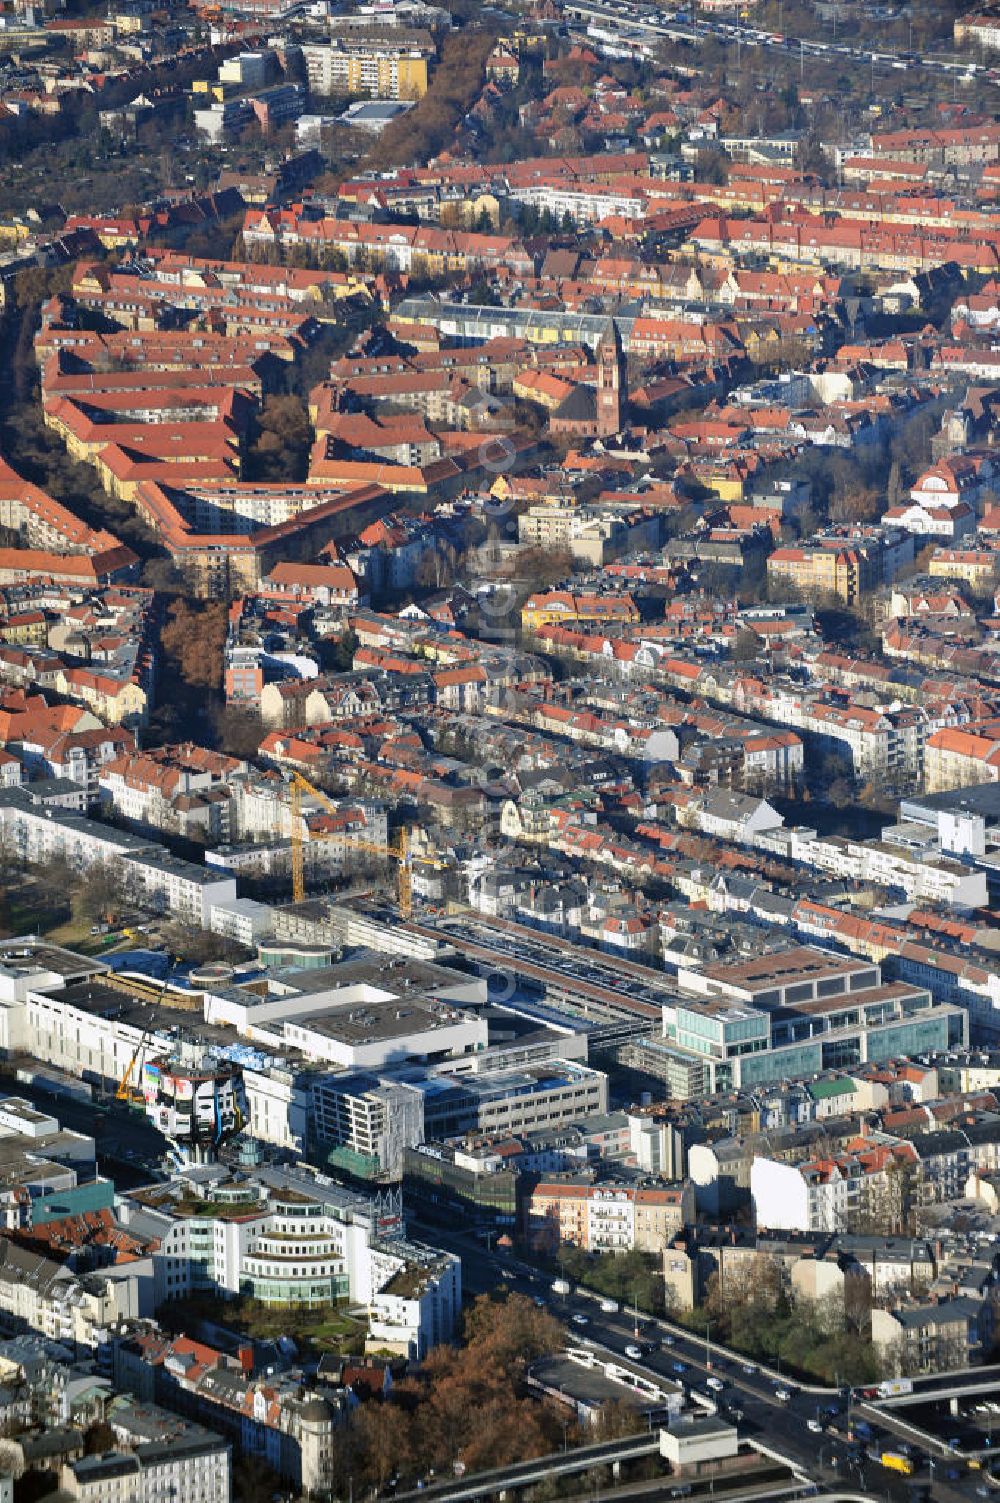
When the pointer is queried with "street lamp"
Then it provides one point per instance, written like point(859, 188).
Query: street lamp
point(708, 1347)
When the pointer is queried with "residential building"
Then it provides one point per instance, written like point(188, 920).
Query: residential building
point(605, 1216)
point(384, 71)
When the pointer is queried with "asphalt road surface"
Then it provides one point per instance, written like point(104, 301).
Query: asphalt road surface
point(783, 1424)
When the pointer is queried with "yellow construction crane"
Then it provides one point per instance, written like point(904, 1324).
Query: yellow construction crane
point(398, 851)
point(125, 1091)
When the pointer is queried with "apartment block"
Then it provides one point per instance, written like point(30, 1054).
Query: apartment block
point(606, 1217)
point(846, 567)
point(196, 1467)
point(39, 1293)
point(930, 1338)
point(294, 1430)
point(41, 832)
point(382, 72)
point(835, 1193)
point(957, 757)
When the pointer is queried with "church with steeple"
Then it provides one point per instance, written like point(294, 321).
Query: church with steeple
point(596, 413)
point(610, 383)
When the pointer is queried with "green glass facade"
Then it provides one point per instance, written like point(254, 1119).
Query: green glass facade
point(744, 1045)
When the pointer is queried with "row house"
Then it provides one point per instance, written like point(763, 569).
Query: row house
point(559, 606)
point(959, 756)
point(959, 146)
point(606, 1217)
point(870, 1186)
point(978, 567)
point(417, 250)
point(949, 1335)
point(162, 352)
point(61, 741)
point(183, 789)
point(931, 879)
point(79, 1311)
point(849, 244)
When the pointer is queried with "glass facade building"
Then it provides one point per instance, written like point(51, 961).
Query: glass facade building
point(800, 1013)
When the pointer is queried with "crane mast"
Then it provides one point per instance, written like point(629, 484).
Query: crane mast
point(398, 850)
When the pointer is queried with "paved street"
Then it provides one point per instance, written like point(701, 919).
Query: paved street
point(680, 1356)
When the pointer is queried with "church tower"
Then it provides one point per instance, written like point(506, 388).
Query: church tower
point(609, 382)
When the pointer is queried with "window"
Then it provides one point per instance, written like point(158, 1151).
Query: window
point(800, 993)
